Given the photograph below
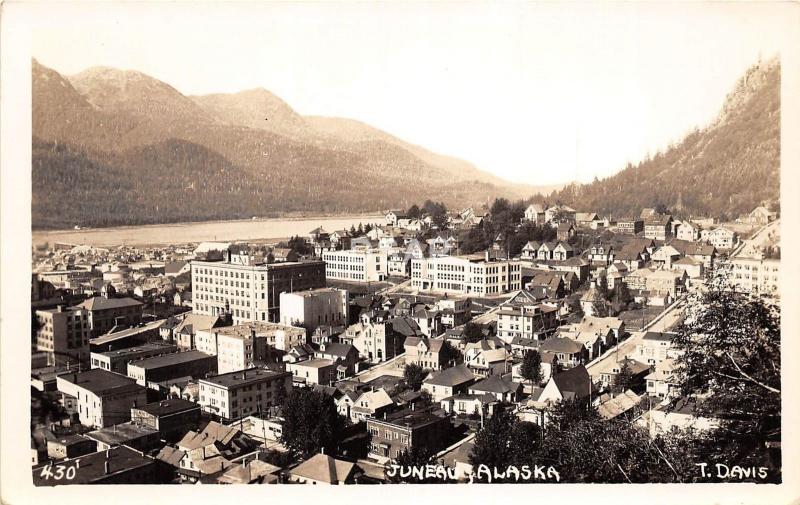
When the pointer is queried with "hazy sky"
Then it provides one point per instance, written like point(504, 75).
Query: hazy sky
point(535, 93)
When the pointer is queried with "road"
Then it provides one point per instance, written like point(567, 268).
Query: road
point(756, 242)
point(628, 347)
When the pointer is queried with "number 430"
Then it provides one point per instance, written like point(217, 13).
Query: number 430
point(59, 474)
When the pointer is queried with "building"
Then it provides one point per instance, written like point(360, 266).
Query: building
point(761, 216)
point(721, 238)
point(272, 335)
point(406, 430)
point(448, 382)
point(558, 214)
point(63, 334)
point(425, 352)
point(630, 225)
point(119, 465)
point(117, 361)
point(469, 275)
point(172, 417)
point(239, 394)
point(323, 469)
point(524, 317)
point(758, 275)
point(142, 438)
point(175, 365)
point(103, 398)
point(658, 227)
point(372, 403)
point(240, 347)
point(455, 311)
point(535, 213)
point(247, 288)
point(181, 329)
point(314, 371)
point(69, 446)
point(688, 231)
point(360, 264)
point(313, 308)
point(106, 313)
point(655, 347)
point(378, 341)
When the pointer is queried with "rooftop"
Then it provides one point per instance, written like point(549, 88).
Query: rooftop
point(242, 377)
point(121, 433)
point(169, 406)
point(171, 359)
point(100, 381)
point(324, 468)
point(91, 467)
point(103, 303)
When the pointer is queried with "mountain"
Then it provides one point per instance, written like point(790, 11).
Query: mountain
point(723, 170)
point(111, 145)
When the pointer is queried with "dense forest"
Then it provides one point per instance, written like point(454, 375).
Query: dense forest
point(723, 170)
point(117, 147)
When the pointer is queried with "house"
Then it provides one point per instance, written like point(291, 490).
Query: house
point(565, 231)
point(208, 453)
point(574, 384)
point(535, 213)
point(530, 251)
point(705, 253)
point(501, 387)
point(688, 231)
point(562, 252)
point(103, 398)
point(371, 403)
point(323, 469)
point(523, 316)
point(658, 227)
point(761, 216)
point(662, 382)
point(186, 326)
point(615, 273)
point(448, 382)
point(601, 254)
point(393, 216)
point(608, 373)
point(428, 320)
point(106, 313)
point(577, 266)
point(568, 352)
point(176, 268)
point(630, 225)
point(380, 341)
point(490, 362)
point(625, 405)
point(250, 472)
point(664, 256)
point(656, 347)
point(425, 352)
point(721, 238)
point(547, 284)
point(587, 219)
point(559, 214)
point(693, 267)
point(344, 355)
point(677, 414)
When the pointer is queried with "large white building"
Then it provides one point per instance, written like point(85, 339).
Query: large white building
point(247, 288)
point(315, 307)
point(356, 265)
point(476, 274)
point(218, 341)
point(755, 274)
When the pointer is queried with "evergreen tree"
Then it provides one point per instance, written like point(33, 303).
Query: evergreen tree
point(531, 367)
point(414, 375)
point(311, 422)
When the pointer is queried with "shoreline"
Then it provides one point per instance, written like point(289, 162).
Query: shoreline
point(182, 224)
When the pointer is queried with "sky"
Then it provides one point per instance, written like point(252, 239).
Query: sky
point(536, 93)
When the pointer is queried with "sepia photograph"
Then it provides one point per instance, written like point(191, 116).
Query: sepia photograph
point(442, 243)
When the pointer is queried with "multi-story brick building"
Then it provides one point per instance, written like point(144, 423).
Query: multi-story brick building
point(247, 288)
point(105, 313)
point(171, 366)
point(117, 361)
point(239, 394)
point(405, 430)
point(63, 334)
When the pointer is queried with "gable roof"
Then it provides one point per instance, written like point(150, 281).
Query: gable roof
point(562, 345)
point(575, 380)
point(324, 468)
point(496, 384)
point(433, 344)
point(453, 376)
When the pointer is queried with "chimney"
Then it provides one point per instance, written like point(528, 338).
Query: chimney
point(61, 308)
point(322, 450)
point(413, 406)
point(106, 468)
point(487, 255)
point(108, 453)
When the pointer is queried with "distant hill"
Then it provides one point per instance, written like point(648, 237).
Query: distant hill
point(114, 147)
point(723, 170)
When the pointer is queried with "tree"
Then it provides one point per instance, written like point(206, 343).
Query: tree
point(473, 331)
point(311, 422)
point(418, 456)
point(493, 443)
point(414, 375)
point(414, 212)
point(624, 379)
point(730, 369)
point(299, 246)
point(531, 367)
point(450, 355)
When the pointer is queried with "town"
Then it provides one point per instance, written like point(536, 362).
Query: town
point(512, 335)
